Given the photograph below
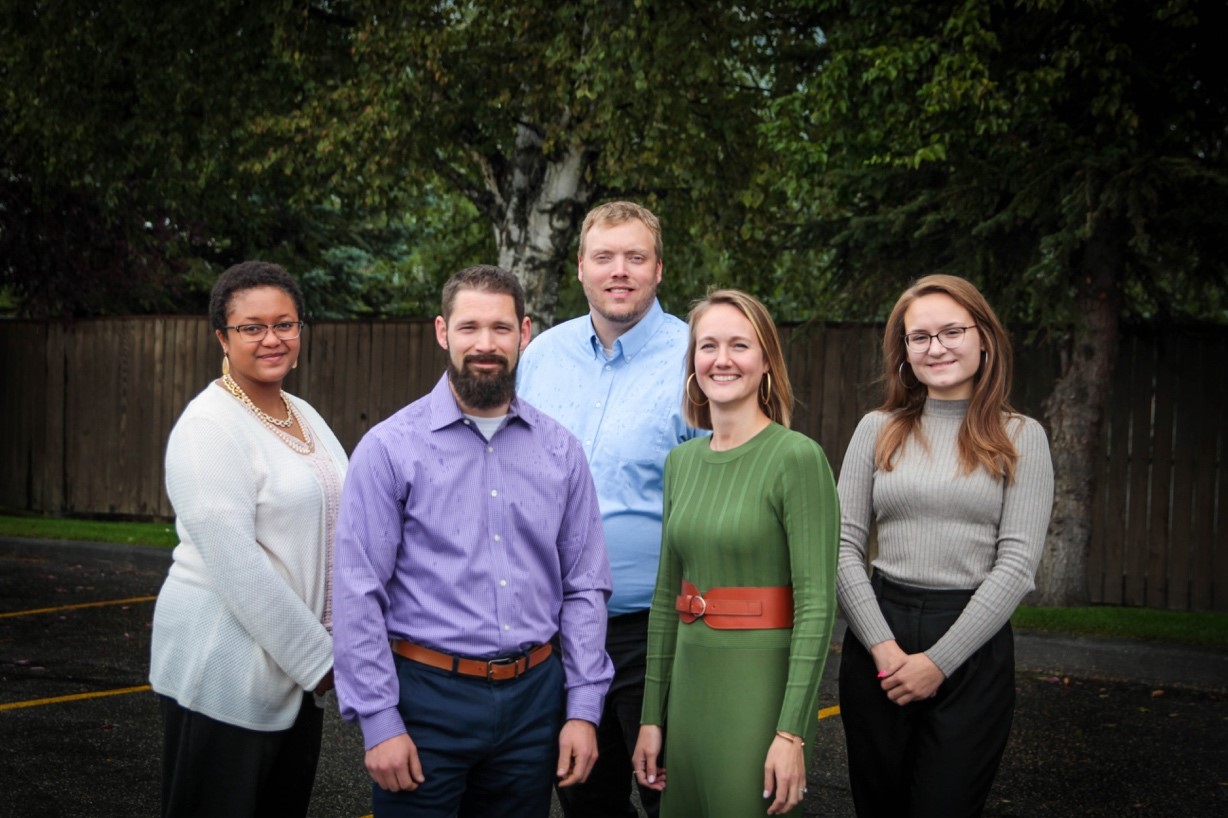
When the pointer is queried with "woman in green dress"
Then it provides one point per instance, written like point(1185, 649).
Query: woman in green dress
point(745, 598)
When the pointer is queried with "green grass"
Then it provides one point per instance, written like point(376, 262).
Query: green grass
point(1182, 627)
point(54, 528)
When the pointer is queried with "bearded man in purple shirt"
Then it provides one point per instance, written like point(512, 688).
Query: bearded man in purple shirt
point(471, 582)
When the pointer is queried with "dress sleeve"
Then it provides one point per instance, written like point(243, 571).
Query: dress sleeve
point(810, 512)
point(857, 599)
point(212, 480)
point(1026, 505)
point(662, 618)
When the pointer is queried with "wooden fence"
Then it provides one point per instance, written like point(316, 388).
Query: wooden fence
point(87, 407)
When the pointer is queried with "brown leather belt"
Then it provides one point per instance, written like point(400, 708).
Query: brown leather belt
point(494, 670)
point(743, 608)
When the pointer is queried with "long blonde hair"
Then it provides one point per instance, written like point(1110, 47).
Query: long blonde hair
point(779, 402)
point(983, 439)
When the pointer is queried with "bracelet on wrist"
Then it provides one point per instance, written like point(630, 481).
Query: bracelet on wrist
point(792, 739)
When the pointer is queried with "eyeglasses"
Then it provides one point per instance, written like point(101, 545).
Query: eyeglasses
point(282, 330)
point(951, 338)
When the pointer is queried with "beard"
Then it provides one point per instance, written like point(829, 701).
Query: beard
point(483, 390)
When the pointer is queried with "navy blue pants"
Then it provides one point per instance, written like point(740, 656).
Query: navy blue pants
point(936, 757)
point(607, 792)
point(488, 749)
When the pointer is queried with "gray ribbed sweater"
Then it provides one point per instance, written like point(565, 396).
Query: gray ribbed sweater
point(941, 529)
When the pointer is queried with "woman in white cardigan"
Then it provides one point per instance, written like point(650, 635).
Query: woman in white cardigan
point(242, 639)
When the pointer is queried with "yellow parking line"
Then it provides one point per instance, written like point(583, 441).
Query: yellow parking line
point(76, 697)
point(828, 712)
point(78, 605)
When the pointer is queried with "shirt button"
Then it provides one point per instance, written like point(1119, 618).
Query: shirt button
point(498, 538)
point(494, 493)
point(490, 448)
point(503, 583)
point(465, 421)
point(507, 627)
point(588, 443)
point(598, 404)
point(608, 367)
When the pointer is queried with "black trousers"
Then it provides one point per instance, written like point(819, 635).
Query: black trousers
point(936, 757)
point(607, 792)
point(211, 769)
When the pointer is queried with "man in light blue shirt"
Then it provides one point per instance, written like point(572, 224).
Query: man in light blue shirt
point(614, 379)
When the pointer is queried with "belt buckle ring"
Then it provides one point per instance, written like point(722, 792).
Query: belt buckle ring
point(690, 606)
point(510, 661)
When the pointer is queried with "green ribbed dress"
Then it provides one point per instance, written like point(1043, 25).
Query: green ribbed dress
point(764, 513)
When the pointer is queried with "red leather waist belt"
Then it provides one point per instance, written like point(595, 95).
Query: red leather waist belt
point(495, 670)
point(743, 608)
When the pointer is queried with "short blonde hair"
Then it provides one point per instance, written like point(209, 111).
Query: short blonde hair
point(615, 213)
point(779, 404)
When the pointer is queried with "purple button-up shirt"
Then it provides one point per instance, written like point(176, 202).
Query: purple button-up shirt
point(474, 548)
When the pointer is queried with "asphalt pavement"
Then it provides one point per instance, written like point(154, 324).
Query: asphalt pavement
point(1102, 727)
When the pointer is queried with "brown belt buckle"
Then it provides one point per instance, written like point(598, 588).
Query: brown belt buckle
point(513, 662)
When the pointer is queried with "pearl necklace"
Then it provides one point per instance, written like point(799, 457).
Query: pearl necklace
point(277, 427)
point(238, 392)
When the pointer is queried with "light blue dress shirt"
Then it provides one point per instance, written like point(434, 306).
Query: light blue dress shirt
point(627, 414)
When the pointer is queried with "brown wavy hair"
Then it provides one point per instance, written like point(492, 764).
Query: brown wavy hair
point(983, 438)
point(779, 404)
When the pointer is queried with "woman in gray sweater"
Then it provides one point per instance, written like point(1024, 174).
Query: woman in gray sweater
point(960, 488)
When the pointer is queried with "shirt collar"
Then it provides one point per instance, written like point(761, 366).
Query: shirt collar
point(444, 410)
point(633, 340)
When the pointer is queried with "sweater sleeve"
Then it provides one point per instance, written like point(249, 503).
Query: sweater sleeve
point(212, 479)
point(811, 514)
point(857, 599)
point(662, 619)
point(1026, 505)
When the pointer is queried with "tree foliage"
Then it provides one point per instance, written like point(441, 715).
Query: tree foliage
point(1068, 155)
point(533, 111)
point(993, 139)
point(127, 134)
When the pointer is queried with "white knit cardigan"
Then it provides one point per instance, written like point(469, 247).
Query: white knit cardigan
point(237, 631)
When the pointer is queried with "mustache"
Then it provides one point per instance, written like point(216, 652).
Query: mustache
point(484, 359)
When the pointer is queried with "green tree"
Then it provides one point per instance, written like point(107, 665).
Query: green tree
point(126, 142)
point(535, 110)
point(1067, 155)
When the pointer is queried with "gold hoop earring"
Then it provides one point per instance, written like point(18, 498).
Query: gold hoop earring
point(687, 390)
point(904, 382)
point(225, 364)
point(766, 400)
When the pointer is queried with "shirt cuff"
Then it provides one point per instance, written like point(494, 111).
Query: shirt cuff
point(379, 727)
point(585, 702)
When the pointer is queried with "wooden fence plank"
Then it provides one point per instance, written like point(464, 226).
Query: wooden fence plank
point(1188, 393)
point(1208, 426)
point(52, 492)
point(1139, 468)
point(1168, 350)
point(1216, 540)
point(1115, 486)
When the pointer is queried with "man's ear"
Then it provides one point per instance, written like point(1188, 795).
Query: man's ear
point(441, 331)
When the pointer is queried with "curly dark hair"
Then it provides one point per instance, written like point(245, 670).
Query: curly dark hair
point(244, 276)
